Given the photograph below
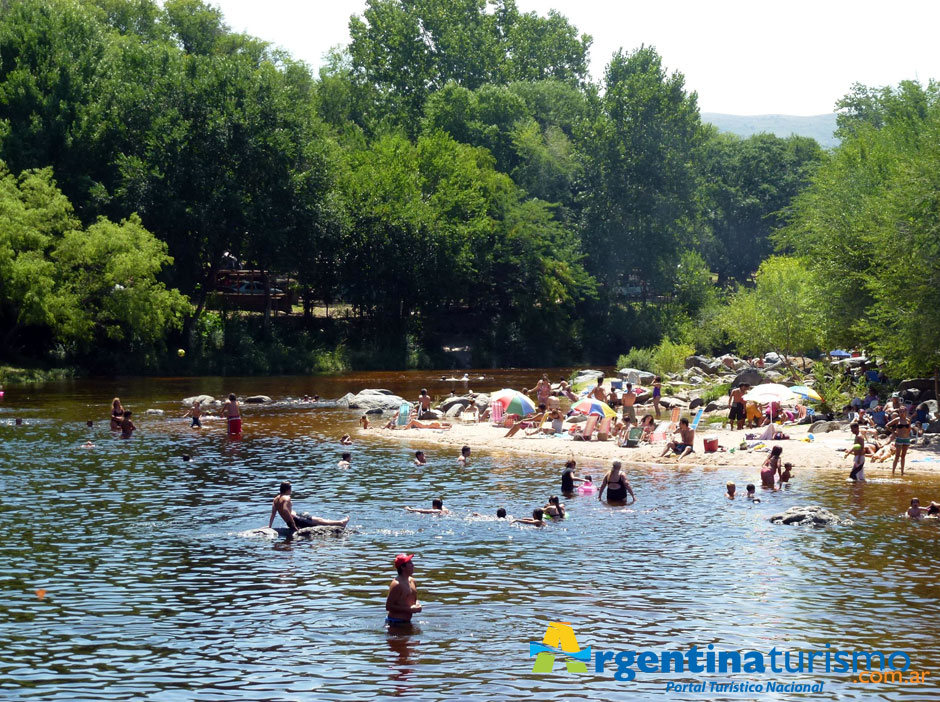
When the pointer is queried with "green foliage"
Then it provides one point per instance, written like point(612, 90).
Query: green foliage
point(781, 312)
point(669, 356)
point(869, 226)
point(713, 393)
point(641, 359)
point(833, 387)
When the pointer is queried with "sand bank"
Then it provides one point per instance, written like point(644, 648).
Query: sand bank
point(824, 452)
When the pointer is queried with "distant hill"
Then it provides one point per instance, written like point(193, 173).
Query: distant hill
point(819, 127)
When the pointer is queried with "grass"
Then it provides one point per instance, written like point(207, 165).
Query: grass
point(13, 375)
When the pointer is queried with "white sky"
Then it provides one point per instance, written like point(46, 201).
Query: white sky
point(743, 57)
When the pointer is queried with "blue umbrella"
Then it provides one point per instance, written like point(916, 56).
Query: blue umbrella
point(840, 353)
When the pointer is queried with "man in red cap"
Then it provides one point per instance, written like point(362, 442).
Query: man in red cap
point(402, 600)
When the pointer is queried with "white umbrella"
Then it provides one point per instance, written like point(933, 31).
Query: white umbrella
point(770, 392)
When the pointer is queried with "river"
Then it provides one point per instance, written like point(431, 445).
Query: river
point(126, 573)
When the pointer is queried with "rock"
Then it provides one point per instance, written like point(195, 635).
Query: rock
point(257, 400)
point(812, 515)
point(774, 376)
point(919, 383)
point(823, 426)
point(374, 391)
point(644, 397)
point(367, 401)
point(450, 402)
point(696, 380)
point(374, 411)
point(696, 403)
point(750, 376)
point(157, 412)
point(714, 368)
point(934, 427)
point(636, 376)
point(201, 399)
point(455, 410)
point(431, 415)
point(712, 407)
point(910, 395)
point(670, 402)
point(697, 362)
point(931, 407)
point(345, 400)
point(588, 374)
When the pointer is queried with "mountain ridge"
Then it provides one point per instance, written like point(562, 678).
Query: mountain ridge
point(819, 127)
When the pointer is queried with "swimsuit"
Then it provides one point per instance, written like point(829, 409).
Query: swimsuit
point(396, 621)
point(737, 411)
point(196, 422)
point(902, 441)
point(657, 391)
point(620, 493)
point(681, 447)
point(567, 483)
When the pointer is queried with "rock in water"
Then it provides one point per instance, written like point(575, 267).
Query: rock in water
point(812, 515)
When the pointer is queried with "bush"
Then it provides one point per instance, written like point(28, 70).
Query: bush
point(641, 359)
point(716, 392)
point(669, 357)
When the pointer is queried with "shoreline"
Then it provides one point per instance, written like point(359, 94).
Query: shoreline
point(823, 453)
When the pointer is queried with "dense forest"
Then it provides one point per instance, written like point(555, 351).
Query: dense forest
point(451, 177)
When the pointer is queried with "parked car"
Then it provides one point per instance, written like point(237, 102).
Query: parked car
point(253, 287)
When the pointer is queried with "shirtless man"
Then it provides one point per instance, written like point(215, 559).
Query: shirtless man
point(195, 412)
point(282, 506)
point(232, 413)
point(627, 402)
point(437, 507)
point(424, 403)
point(683, 447)
point(402, 601)
point(598, 393)
point(127, 426)
point(738, 406)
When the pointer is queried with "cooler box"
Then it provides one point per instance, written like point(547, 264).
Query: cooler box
point(616, 385)
point(711, 444)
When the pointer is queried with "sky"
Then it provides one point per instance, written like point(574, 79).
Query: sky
point(741, 57)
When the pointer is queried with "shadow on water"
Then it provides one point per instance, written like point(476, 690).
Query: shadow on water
point(154, 590)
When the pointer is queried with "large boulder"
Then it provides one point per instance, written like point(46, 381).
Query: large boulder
point(371, 400)
point(751, 376)
point(697, 362)
point(258, 400)
point(696, 403)
point(201, 399)
point(644, 397)
point(713, 407)
point(670, 402)
point(811, 515)
point(374, 391)
point(824, 426)
point(455, 410)
point(919, 383)
point(636, 376)
point(451, 402)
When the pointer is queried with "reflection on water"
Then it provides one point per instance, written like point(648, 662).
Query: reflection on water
point(153, 589)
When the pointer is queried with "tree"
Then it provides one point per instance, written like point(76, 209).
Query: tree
point(779, 312)
point(747, 186)
point(640, 172)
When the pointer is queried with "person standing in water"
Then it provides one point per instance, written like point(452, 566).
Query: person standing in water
point(617, 485)
point(232, 413)
point(195, 412)
point(127, 426)
point(858, 451)
point(901, 426)
point(117, 414)
point(401, 603)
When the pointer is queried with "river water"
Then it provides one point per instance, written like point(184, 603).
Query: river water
point(153, 590)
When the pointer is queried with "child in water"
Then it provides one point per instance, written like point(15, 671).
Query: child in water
point(536, 519)
point(751, 493)
point(730, 487)
point(420, 460)
point(364, 422)
point(464, 457)
point(346, 461)
point(345, 439)
point(554, 509)
point(127, 426)
point(786, 473)
point(195, 412)
point(915, 511)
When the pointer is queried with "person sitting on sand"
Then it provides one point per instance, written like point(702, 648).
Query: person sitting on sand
point(786, 473)
point(648, 425)
point(771, 468)
point(534, 419)
point(682, 447)
point(195, 412)
point(437, 507)
point(729, 490)
point(364, 422)
point(752, 493)
point(415, 424)
point(536, 520)
point(555, 508)
point(553, 423)
point(464, 457)
point(345, 439)
point(282, 506)
point(915, 511)
point(346, 461)
point(420, 460)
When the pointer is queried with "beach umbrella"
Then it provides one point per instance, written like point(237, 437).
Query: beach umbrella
point(513, 402)
point(770, 392)
point(806, 392)
point(591, 406)
point(840, 353)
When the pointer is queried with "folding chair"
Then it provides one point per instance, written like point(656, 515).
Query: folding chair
point(673, 420)
point(496, 414)
point(404, 414)
point(698, 418)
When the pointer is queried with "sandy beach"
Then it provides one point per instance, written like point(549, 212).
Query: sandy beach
point(825, 452)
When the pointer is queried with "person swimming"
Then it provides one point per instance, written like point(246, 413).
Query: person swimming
point(536, 520)
point(420, 460)
point(729, 490)
point(437, 507)
point(752, 493)
point(345, 461)
point(554, 509)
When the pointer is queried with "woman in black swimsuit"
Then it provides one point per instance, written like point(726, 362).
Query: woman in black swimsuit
point(617, 485)
point(117, 414)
